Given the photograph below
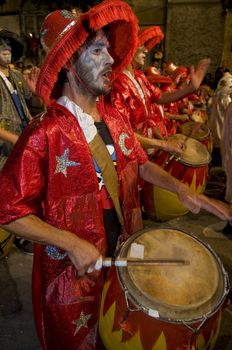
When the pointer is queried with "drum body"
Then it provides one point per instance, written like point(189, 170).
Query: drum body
point(6, 241)
point(191, 169)
point(164, 307)
point(203, 134)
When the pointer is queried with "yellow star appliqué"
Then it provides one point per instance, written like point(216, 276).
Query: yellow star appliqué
point(81, 322)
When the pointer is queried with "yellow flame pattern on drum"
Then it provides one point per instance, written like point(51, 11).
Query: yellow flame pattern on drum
point(168, 205)
point(112, 340)
point(6, 241)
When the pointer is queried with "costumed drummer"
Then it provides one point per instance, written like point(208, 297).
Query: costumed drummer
point(15, 100)
point(133, 95)
point(73, 175)
point(15, 94)
point(226, 156)
point(220, 101)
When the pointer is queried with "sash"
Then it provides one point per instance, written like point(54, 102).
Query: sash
point(8, 83)
point(101, 155)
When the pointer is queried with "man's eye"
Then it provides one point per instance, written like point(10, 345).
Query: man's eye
point(97, 51)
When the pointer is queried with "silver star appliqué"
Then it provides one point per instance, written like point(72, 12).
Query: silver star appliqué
point(81, 322)
point(62, 163)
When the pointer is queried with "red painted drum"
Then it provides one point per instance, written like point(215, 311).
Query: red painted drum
point(164, 307)
point(6, 241)
point(191, 168)
point(203, 134)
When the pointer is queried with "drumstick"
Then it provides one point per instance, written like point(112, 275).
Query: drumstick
point(122, 262)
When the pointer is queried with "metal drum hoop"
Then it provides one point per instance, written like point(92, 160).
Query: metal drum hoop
point(133, 297)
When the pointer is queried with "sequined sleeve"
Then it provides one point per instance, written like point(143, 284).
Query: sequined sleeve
point(22, 180)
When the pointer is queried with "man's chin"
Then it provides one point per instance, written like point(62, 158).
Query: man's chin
point(106, 89)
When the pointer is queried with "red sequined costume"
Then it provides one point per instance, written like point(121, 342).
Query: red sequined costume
point(53, 177)
point(144, 115)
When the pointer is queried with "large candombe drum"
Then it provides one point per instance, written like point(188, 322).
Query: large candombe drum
point(164, 307)
point(191, 168)
point(6, 241)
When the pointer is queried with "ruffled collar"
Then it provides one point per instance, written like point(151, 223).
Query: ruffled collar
point(85, 120)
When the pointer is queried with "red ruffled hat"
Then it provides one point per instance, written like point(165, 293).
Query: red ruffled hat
point(181, 74)
point(150, 37)
point(62, 34)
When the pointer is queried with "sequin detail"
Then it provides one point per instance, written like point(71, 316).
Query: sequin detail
point(62, 163)
point(121, 143)
point(67, 14)
point(54, 253)
point(81, 322)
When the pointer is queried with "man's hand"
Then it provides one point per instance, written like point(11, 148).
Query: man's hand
point(197, 75)
point(194, 202)
point(176, 146)
point(32, 79)
point(180, 117)
point(84, 256)
point(82, 253)
point(216, 207)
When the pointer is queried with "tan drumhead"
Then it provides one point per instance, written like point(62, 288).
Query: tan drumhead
point(195, 153)
point(201, 133)
point(175, 292)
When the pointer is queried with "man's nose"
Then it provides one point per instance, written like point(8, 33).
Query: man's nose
point(109, 58)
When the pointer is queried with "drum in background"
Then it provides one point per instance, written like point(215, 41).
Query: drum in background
point(191, 168)
point(6, 241)
point(164, 307)
point(199, 115)
point(203, 134)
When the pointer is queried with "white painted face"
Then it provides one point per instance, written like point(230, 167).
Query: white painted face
point(94, 65)
point(140, 57)
point(5, 57)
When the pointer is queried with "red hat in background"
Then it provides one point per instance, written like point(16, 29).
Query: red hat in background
point(155, 77)
point(181, 74)
point(63, 33)
point(150, 37)
point(170, 68)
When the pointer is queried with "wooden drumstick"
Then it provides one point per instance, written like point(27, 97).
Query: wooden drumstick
point(122, 262)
